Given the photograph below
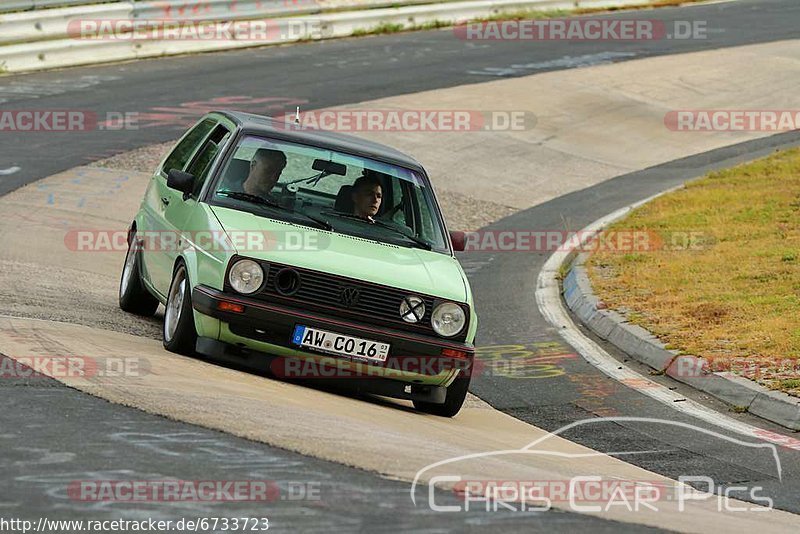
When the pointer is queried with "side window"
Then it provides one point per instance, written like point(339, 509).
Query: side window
point(180, 154)
point(205, 157)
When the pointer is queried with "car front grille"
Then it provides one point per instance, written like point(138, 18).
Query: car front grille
point(343, 297)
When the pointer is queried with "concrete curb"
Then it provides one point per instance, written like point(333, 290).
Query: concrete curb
point(644, 347)
point(65, 52)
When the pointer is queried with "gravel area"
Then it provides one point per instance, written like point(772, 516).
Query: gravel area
point(70, 296)
point(465, 213)
point(143, 159)
point(461, 211)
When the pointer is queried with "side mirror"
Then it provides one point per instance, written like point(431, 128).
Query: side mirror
point(459, 241)
point(180, 181)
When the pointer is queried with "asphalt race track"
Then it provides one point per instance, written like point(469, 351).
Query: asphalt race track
point(174, 91)
point(327, 74)
point(156, 448)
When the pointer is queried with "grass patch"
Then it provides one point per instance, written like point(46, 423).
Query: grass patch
point(382, 28)
point(433, 25)
point(732, 292)
point(530, 14)
point(563, 271)
point(789, 384)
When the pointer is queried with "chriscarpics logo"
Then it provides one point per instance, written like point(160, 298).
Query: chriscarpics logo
point(551, 472)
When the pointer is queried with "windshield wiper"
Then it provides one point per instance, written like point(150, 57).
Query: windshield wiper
point(377, 222)
point(325, 225)
point(247, 197)
point(263, 201)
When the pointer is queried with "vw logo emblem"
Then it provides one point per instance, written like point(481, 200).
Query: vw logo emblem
point(349, 296)
point(412, 309)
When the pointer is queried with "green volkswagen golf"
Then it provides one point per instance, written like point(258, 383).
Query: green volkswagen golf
point(308, 254)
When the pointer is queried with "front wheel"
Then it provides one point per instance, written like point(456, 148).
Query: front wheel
point(456, 393)
point(180, 334)
point(133, 297)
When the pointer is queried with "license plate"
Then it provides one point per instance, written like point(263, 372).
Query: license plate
point(340, 344)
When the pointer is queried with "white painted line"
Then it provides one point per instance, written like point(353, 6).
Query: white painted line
point(9, 171)
point(565, 62)
point(548, 299)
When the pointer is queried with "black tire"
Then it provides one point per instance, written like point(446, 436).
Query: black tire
point(133, 297)
point(179, 332)
point(456, 393)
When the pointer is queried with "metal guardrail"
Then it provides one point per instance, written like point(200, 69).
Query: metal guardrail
point(40, 40)
point(251, 9)
point(225, 9)
point(10, 6)
point(51, 24)
point(207, 9)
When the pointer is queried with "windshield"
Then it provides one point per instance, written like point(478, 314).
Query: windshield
point(332, 190)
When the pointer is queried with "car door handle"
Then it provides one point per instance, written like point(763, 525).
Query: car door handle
point(165, 201)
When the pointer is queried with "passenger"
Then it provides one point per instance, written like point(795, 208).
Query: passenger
point(367, 196)
point(265, 171)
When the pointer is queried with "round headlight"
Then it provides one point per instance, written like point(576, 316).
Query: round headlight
point(448, 319)
point(246, 276)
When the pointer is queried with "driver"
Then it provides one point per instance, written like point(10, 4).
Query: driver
point(265, 170)
point(367, 196)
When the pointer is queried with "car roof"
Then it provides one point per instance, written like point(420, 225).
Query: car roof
point(268, 127)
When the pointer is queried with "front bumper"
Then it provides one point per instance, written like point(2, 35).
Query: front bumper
point(268, 328)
